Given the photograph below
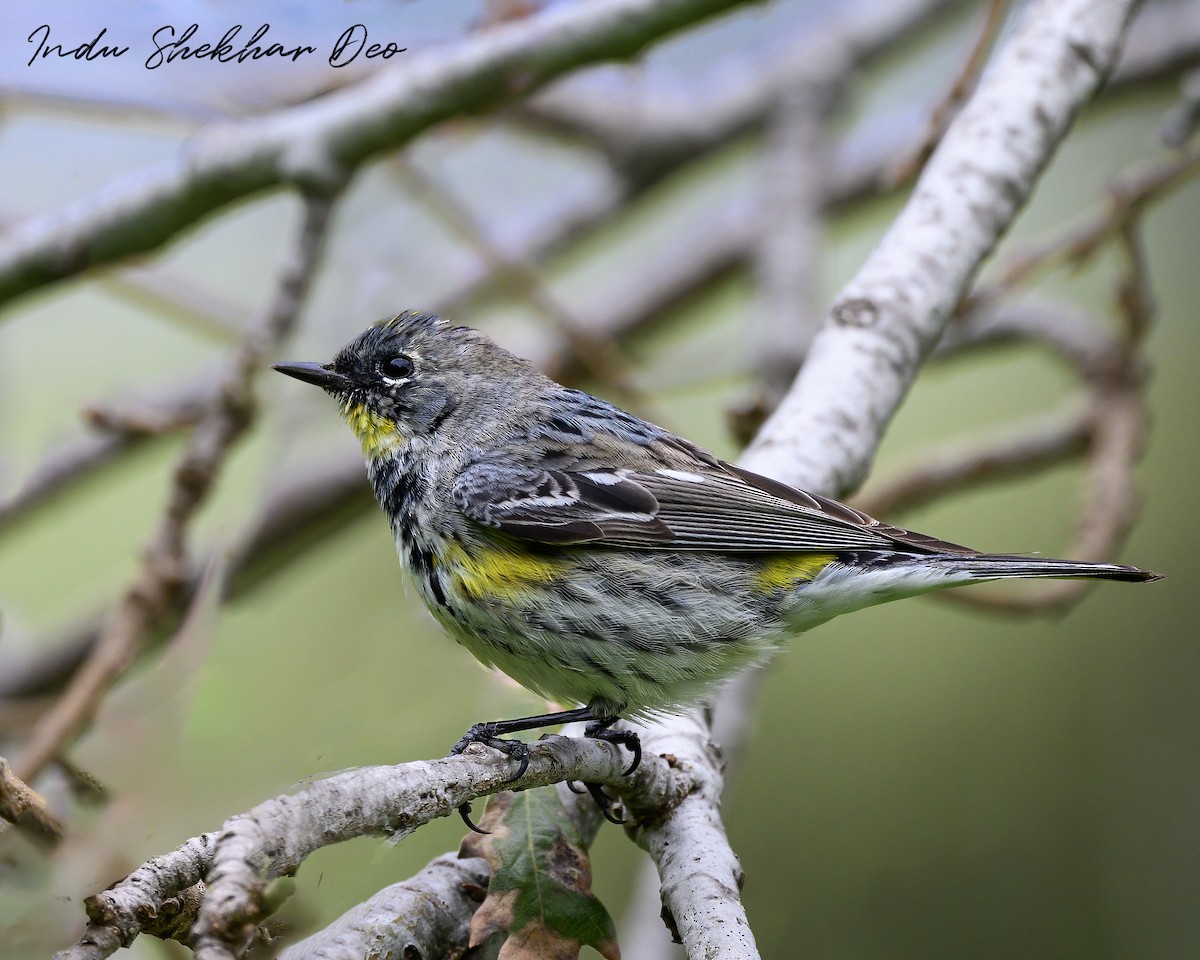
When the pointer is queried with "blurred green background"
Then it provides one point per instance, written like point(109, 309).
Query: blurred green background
point(921, 781)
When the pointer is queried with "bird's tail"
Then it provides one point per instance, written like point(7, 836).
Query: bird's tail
point(1003, 566)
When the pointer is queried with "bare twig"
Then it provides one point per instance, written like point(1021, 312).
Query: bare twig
point(1129, 194)
point(122, 427)
point(153, 594)
point(62, 467)
point(795, 166)
point(175, 299)
point(1183, 119)
point(25, 807)
point(1085, 346)
point(1023, 448)
point(1163, 40)
point(968, 75)
point(644, 137)
point(275, 837)
point(1108, 513)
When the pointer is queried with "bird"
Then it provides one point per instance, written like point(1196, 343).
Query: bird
point(596, 558)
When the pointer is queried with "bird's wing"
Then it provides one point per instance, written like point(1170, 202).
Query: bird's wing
point(707, 505)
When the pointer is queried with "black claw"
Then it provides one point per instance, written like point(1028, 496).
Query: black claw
point(599, 730)
point(574, 787)
point(464, 811)
point(604, 802)
point(521, 752)
point(634, 744)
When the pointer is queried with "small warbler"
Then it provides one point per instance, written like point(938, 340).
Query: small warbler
point(596, 558)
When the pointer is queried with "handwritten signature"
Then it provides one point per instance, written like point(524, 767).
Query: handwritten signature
point(170, 46)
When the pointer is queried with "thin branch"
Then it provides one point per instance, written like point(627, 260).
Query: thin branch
point(155, 589)
point(62, 467)
point(791, 228)
point(1183, 119)
point(968, 75)
point(1040, 442)
point(1108, 513)
point(1117, 425)
point(120, 428)
point(23, 806)
point(172, 298)
point(644, 137)
point(1085, 346)
point(1129, 195)
point(1163, 40)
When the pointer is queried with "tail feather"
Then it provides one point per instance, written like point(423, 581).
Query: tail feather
point(1002, 566)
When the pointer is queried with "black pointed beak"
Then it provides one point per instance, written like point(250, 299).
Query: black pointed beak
point(319, 374)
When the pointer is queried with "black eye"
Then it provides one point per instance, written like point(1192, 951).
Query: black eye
point(399, 367)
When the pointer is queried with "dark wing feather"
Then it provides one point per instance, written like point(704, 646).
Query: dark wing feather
point(704, 504)
point(560, 506)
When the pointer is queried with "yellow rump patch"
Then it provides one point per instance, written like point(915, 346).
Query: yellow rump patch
point(782, 570)
point(497, 572)
point(377, 434)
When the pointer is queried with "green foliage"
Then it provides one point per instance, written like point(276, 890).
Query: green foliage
point(541, 889)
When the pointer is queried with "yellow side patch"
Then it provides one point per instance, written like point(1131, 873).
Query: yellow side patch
point(497, 572)
point(377, 434)
point(782, 570)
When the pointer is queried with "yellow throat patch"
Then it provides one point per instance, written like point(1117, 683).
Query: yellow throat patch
point(377, 434)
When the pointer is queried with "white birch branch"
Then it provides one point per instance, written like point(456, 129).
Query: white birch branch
point(887, 319)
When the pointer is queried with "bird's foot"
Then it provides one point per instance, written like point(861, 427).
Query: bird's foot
point(487, 734)
point(491, 733)
point(600, 730)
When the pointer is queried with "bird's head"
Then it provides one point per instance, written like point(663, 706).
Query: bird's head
point(414, 375)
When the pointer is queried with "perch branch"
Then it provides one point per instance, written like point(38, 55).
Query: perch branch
point(275, 837)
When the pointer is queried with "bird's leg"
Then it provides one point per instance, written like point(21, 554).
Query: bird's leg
point(492, 734)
